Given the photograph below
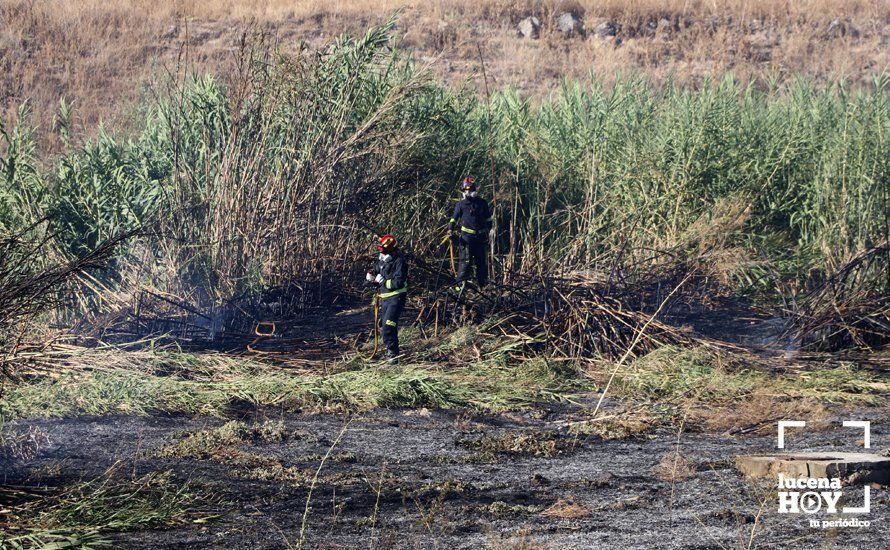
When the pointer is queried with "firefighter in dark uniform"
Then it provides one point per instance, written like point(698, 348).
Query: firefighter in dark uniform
point(390, 274)
point(469, 227)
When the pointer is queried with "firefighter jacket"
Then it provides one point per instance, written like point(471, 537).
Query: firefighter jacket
point(472, 216)
point(394, 269)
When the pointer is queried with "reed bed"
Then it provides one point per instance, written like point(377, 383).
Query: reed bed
point(278, 180)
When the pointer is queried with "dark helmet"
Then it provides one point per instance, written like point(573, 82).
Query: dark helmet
point(469, 184)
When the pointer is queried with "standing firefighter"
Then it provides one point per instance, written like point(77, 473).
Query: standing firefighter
point(390, 274)
point(470, 225)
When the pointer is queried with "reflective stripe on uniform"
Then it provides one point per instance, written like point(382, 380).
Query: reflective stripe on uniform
point(394, 292)
point(468, 230)
point(391, 323)
point(452, 220)
point(389, 284)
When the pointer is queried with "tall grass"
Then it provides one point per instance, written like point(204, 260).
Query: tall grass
point(285, 173)
point(593, 168)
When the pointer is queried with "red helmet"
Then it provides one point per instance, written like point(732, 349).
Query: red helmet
point(469, 184)
point(387, 243)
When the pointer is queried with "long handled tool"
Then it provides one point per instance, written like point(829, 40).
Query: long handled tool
point(450, 242)
point(375, 305)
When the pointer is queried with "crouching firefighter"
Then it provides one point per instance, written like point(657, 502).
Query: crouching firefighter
point(390, 274)
point(470, 224)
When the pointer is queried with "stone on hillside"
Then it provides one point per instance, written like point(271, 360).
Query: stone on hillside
point(606, 28)
point(649, 29)
point(835, 28)
point(530, 27)
point(838, 28)
point(171, 32)
point(569, 24)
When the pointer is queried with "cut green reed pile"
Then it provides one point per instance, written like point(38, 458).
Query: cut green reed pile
point(285, 172)
point(80, 514)
point(107, 382)
point(156, 382)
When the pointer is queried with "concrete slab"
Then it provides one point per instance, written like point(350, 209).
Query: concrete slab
point(851, 468)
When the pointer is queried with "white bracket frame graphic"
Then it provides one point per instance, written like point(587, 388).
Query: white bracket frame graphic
point(787, 424)
point(866, 503)
point(866, 430)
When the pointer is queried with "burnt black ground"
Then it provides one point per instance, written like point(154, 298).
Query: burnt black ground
point(438, 493)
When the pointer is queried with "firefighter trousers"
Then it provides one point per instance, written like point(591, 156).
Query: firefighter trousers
point(390, 310)
point(473, 260)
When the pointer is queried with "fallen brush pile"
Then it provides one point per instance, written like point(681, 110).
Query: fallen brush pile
point(34, 281)
point(580, 314)
point(192, 321)
point(851, 308)
point(572, 316)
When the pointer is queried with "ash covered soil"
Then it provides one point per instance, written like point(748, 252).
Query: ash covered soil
point(429, 479)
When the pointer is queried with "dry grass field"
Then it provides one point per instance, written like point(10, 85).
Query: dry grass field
point(102, 55)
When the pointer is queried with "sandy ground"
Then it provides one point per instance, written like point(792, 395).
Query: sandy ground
point(439, 490)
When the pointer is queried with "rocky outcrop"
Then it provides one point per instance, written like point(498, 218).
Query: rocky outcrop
point(530, 27)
